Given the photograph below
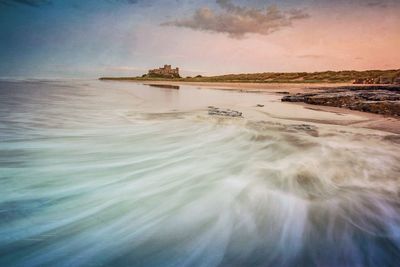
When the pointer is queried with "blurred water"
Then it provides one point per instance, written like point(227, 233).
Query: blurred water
point(115, 174)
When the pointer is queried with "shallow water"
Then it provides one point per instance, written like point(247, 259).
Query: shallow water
point(119, 174)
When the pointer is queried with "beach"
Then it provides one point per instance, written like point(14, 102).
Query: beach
point(248, 86)
point(99, 173)
point(342, 116)
point(208, 133)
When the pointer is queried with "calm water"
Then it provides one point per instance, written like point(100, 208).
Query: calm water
point(118, 174)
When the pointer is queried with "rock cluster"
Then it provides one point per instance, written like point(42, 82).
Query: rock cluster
point(214, 111)
point(380, 100)
point(309, 129)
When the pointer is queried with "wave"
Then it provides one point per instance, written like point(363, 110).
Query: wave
point(130, 189)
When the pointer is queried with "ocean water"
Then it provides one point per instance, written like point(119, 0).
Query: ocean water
point(120, 174)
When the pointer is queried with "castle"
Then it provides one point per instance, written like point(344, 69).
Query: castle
point(165, 72)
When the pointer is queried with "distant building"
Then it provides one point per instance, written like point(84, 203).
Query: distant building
point(366, 81)
point(165, 71)
point(385, 80)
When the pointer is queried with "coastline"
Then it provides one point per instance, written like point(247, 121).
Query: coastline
point(368, 120)
point(89, 147)
point(246, 87)
point(371, 121)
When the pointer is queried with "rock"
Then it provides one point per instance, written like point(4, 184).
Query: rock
point(213, 111)
point(297, 97)
point(260, 106)
point(378, 107)
point(309, 129)
point(379, 100)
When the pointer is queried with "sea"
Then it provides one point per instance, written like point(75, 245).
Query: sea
point(101, 173)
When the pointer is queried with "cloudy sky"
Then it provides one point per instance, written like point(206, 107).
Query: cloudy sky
point(75, 38)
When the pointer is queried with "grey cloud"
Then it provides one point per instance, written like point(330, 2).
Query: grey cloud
point(377, 4)
point(237, 21)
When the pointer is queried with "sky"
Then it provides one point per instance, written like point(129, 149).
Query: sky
point(92, 38)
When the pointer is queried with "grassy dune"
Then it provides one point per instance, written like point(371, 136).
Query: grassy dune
point(275, 77)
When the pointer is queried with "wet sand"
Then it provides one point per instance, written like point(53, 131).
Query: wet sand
point(251, 87)
point(369, 121)
point(347, 117)
point(117, 174)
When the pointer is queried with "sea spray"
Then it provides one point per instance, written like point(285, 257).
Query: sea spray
point(90, 176)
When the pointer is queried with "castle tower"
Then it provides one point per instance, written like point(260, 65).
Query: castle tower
point(166, 71)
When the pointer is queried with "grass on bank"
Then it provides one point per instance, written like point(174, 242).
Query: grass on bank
point(277, 77)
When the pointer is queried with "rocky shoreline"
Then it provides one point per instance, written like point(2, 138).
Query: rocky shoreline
point(384, 100)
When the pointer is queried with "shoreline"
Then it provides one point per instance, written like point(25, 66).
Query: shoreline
point(371, 121)
point(245, 87)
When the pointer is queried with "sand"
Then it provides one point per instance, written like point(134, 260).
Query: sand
point(252, 87)
point(308, 113)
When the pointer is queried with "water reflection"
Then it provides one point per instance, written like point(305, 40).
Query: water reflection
point(165, 86)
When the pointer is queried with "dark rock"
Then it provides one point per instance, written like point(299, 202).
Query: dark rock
point(309, 129)
point(378, 107)
point(383, 100)
point(220, 112)
point(260, 106)
point(297, 97)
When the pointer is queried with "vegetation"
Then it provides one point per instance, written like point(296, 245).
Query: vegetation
point(288, 77)
point(160, 76)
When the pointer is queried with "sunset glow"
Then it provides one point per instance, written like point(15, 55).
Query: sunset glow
point(91, 38)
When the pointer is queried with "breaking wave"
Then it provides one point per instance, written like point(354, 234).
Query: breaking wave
point(86, 182)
